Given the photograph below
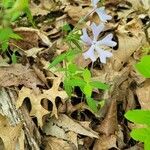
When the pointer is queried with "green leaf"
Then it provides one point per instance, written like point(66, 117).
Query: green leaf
point(76, 43)
point(66, 28)
point(74, 37)
point(101, 103)
point(141, 134)
point(144, 66)
point(20, 5)
point(72, 68)
point(88, 90)
point(91, 103)
point(57, 60)
point(15, 36)
point(5, 34)
point(139, 116)
point(4, 46)
point(67, 87)
point(15, 15)
point(29, 15)
point(68, 55)
point(86, 75)
point(76, 81)
point(14, 58)
point(71, 54)
point(7, 3)
point(99, 85)
point(147, 144)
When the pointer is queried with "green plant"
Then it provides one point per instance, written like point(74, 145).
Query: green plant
point(78, 77)
point(10, 11)
point(5, 35)
point(75, 76)
point(141, 116)
point(140, 134)
point(144, 66)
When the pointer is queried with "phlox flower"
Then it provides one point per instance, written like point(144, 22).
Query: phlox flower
point(100, 11)
point(95, 45)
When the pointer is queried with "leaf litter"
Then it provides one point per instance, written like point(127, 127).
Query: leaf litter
point(62, 122)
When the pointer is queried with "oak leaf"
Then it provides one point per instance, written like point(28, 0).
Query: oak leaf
point(35, 98)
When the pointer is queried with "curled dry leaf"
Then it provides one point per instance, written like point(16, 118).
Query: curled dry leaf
point(40, 74)
point(33, 52)
point(45, 7)
point(35, 99)
point(9, 134)
point(30, 38)
point(59, 127)
point(143, 94)
point(108, 128)
point(81, 107)
point(138, 146)
point(72, 136)
point(39, 9)
point(130, 38)
point(131, 103)
point(52, 143)
point(18, 74)
point(73, 12)
point(109, 124)
point(105, 142)
point(139, 5)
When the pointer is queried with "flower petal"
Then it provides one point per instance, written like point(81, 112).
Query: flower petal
point(96, 30)
point(103, 55)
point(102, 14)
point(107, 41)
point(85, 37)
point(90, 54)
point(94, 2)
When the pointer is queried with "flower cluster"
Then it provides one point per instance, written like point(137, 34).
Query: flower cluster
point(95, 46)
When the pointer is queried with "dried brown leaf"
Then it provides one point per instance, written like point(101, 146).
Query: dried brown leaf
point(130, 38)
point(73, 12)
point(105, 142)
point(52, 143)
point(37, 109)
point(18, 74)
point(35, 99)
point(67, 124)
point(33, 52)
point(9, 134)
point(143, 94)
point(30, 38)
point(109, 125)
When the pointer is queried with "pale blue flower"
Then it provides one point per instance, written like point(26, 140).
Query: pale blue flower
point(100, 11)
point(94, 2)
point(95, 45)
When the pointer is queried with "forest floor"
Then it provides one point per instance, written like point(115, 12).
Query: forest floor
point(36, 112)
